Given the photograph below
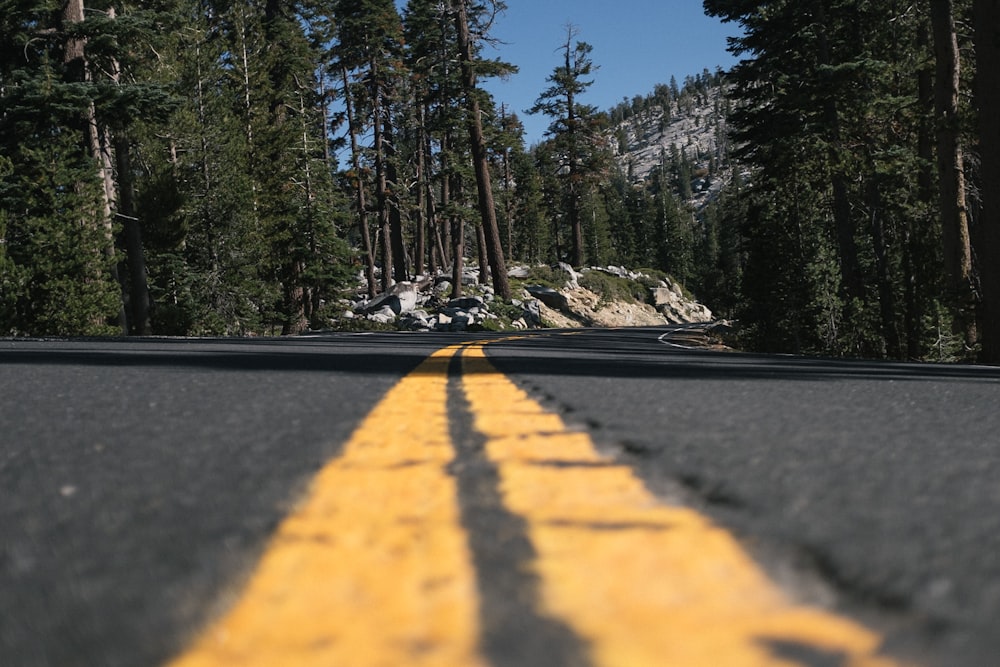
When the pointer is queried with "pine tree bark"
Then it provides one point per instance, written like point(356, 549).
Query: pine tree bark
point(480, 158)
point(987, 31)
point(951, 169)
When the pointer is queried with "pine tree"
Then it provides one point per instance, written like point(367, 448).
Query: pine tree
point(370, 46)
point(59, 113)
point(487, 207)
point(532, 232)
point(838, 92)
point(576, 132)
point(430, 38)
point(207, 247)
point(951, 168)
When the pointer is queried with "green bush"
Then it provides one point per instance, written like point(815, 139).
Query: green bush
point(613, 288)
point(547, 276)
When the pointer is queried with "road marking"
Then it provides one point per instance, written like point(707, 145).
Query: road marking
point(372, 569)
point(642, 582)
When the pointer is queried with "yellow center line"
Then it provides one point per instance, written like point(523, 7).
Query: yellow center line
point(372, 569)
point(641, 582)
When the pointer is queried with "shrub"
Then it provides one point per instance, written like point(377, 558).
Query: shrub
point(613, 288)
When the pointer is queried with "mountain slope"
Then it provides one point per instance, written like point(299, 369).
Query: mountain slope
point(682, 128)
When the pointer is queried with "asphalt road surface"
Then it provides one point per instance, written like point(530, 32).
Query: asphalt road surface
point(559, 498)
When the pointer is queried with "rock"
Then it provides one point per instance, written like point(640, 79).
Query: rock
point(442, 287)
point(663, 296)
point(532, 314)
point(548, 296)
point(413, 322)
point(466, 302)
point(384, 316)
point(519, 272)
point(614, 270)
point(459, 321)
point(407, 295)
point(423, 282)
point(672, 304)
point(390, 301)
point(574, 277)
point(348, 315)
point(462, 322)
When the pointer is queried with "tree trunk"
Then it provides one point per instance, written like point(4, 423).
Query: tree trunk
point(444, 209)
point(438, 258)
point(987, 26)
point(458, 255)
point(457, 241)
point(381, 186)
point(77, 69)
point(484, 262)
point(135, 256)
point(396, 244)
point(851, 278)
point(421, 206)
point(573, 207)
point(359, 191)
point(916, 228)
point(294, 296)
point(951, 170)
point(508, 181)
point(887, 297)
point(487, 209)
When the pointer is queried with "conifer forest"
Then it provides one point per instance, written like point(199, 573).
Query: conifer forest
point(207, 167)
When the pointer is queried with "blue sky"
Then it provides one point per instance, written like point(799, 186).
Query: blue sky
point(637, 44)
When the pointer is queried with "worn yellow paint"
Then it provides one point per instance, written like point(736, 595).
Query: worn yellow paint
point(640, 581)
point(372, 569)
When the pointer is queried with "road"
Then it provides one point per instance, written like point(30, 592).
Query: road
point(555, 498)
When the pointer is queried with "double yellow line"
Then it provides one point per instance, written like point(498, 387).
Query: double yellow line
point(374, 568)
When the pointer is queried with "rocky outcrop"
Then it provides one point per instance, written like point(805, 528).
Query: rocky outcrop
point(670, 301)
point(550, 297)
point(422, 305)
